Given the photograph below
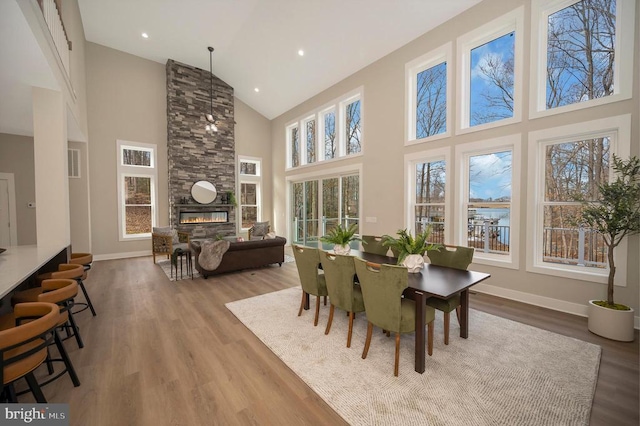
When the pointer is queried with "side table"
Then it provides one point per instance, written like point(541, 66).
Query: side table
point(179, 253)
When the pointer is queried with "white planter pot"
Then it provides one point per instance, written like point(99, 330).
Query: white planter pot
point(610, 323)
point(341, 249)
point(414, 263)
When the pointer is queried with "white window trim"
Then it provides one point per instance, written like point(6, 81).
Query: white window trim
point(623, 66)
point(512, 21)
point(412, 69)
point(136, 171)
point(342, 138)
point(410, 162)
point(289, 140)
point(462, 154)
point(256, 179)
point(304, 134)
point(349, 170)
point(619, 127)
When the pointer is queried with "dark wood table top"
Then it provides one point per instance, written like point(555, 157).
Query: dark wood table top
point(438, 281)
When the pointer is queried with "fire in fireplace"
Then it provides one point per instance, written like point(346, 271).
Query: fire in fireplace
point(197, 218)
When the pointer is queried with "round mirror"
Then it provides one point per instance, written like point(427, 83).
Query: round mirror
point(204, 192)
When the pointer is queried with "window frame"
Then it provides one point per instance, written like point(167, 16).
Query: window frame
point(463, 152)
point(322, 132)
point(343, 126)
point(619, 129)
point(125, 170)
point(623, 65)
point(410, 162)
point(511, 21)
point(305, 135)
point(427, 61)
point(250, 179)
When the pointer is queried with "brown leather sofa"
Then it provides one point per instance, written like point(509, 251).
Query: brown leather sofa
point(244, 255)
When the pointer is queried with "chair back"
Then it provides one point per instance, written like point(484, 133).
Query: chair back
point(382, 287)
point(307, 261)
point(61, 292)
point(24, 347)
point(339, 273)
point(373, 244)
point(68, 270)
point(456, 257)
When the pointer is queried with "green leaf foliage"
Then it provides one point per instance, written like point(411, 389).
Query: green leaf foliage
point(405, 244)
point(341, 235)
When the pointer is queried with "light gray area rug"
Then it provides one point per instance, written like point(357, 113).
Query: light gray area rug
point(166, 268)
point(506, 373)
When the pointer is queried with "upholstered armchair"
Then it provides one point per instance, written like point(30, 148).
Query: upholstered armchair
point(165, 240)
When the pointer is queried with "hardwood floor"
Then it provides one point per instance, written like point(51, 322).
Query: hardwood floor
point(162, 352)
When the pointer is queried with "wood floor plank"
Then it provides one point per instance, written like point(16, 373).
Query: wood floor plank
point(170, 353)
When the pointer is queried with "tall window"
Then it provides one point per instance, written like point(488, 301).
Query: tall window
point(310, 136)
point(330, 143)
point(490, 73)
point(250, 180)
point(137, 192)
point(319, 205)
point(580, 59)
point(293, 139)
point(489, 192)
point(353, 127)
point(428, 95)
point(569, 163)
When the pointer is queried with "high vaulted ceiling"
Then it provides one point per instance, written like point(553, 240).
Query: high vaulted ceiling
point(257, 41)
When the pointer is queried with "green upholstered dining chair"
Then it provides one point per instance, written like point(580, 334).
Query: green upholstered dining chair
point(373, 244)
point(307, 261)
point(340, 272)
point(382, 287)
point(457, 257)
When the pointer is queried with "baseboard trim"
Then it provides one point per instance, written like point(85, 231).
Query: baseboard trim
point(542, 301)
point(112, 256)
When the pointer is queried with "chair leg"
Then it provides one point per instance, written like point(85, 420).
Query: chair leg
point(65, 358)
point(351, 317)
point(11, 393)
point(86, 297)
point(367, 342)
point(447, 322)
point(331, 309)
point(430, 328)
point(315, 320)
point(75, 329)
point(301, 303)
point(154, 257)
point(35, 388)
point(49, 363)
point(397, 361)
point(325, 301)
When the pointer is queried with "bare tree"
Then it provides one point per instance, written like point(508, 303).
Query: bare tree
point(431, 101)
point(353, 127)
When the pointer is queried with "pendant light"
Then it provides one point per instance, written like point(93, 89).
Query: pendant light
point(211, 124)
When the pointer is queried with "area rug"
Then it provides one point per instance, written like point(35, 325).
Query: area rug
point(166, 268)
point(506, 373)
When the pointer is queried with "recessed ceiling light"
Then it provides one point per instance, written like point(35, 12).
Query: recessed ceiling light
point(145, 35)
point(301, 52)
point(256, 89)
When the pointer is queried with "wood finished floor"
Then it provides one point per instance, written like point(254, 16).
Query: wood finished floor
point(170, 353)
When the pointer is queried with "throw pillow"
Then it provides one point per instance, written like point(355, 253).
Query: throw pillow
point(270, 236)
point(260, 229)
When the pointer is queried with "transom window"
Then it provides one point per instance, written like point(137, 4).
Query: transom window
point(334, 131)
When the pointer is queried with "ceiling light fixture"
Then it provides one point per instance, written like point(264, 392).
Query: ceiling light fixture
point(301, 52)
point(256, 89)
point(145, 35)
point(211, 126)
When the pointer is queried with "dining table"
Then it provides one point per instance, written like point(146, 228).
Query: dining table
point(432, 281)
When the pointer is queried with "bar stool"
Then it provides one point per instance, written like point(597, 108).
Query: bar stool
point(84, 259)
point(23, 347)
point(76, 272)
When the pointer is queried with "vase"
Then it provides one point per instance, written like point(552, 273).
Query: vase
point(341, 249)
point(414, 263)
point(611, 323)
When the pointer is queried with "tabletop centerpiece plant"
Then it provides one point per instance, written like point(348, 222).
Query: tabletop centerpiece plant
point(410, 250)
point(615, 215)
point(340, 237)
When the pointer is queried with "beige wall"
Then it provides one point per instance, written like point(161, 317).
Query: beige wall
point(16, 156)
point(253, 139)
point(382, 178)
point(79, 203)
point(126, 100)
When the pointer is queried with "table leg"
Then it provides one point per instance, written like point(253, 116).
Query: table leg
point(421, 300)
point(464, 314)
point(180, 267)
point(306, 301)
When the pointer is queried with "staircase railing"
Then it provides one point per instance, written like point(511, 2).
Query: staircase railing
point(53, 18)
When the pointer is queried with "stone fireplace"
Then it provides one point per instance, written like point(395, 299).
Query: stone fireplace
point(203, 217)
point(195, 154)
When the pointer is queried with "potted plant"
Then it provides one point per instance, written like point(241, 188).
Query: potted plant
point(409, 250)
point(615, 215)
point(340, 237)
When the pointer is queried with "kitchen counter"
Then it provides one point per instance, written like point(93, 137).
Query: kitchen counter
point(18, 263)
